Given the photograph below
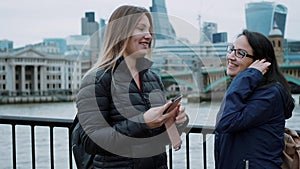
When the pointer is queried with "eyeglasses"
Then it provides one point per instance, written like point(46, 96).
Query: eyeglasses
point(240, 53)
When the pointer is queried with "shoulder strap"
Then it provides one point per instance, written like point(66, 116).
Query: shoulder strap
point(75, 121)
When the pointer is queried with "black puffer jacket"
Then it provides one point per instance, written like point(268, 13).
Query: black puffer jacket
point(110, 110)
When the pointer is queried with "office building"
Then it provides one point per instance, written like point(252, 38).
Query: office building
point(262, 16)
point(163, 28)
point(79, 47)
point(208, 29)
point(102, 26)
point(61, 43)
point(88, 24)
point(6, 45)
point(220, 37)
point(91, 28)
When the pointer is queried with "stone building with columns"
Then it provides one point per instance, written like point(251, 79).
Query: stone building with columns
point(31, 72)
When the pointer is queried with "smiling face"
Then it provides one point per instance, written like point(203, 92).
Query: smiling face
point(235, 64)
point(140, 40)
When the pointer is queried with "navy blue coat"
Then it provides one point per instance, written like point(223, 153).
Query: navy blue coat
point(250, 123)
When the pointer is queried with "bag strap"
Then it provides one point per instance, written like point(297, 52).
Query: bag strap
point(75, 121)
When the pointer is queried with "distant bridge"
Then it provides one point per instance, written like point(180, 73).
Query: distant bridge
point(215, 79)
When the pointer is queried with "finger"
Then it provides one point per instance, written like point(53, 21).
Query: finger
point(254, 63)
point(181, 111)
point(170, 114)
point(165, 107)
point(182, 120)
point(175, 111)
point(268, 63)
point(263, 60)
point(180, 116)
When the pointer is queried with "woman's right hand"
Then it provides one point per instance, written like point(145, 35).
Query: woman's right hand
point(154, 117)
point(261, 65)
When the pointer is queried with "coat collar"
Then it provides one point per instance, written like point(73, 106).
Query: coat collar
point(142, 65)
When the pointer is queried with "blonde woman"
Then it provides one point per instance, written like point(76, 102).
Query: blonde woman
point(121, 101)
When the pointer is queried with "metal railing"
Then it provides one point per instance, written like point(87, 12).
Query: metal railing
point(32, 122)
point(67, 123)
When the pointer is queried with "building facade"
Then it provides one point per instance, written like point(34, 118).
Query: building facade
point(262, 16)
point(276, 38)
point(30, 72)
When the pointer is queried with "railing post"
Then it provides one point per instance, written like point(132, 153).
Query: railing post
point(188, 150)
point(32, 146)
point(70, 148)
point(204, 151)
point(170, 157)
point(51, 147)
point(13, 132)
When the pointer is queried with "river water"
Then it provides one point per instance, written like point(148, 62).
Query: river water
point(203, 114)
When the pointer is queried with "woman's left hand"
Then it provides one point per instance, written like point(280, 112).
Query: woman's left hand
point(181, 116)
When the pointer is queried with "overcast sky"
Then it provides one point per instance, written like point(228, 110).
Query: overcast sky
point(29, 21)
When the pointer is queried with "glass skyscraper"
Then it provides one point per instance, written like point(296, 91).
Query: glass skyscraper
point(209, 28)
point(263, 16)
point(162, 25)
point(6, 45)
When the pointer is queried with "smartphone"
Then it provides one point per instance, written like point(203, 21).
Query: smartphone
point(175, 100)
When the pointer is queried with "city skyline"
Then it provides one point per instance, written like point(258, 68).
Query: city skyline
point(31, 21)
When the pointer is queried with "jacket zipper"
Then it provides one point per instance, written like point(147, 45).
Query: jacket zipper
point(246, 164)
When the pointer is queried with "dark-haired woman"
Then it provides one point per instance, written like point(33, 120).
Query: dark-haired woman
point(250, 123)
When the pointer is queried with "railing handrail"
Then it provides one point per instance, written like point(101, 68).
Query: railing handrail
point(67, 123)
point(35, 121)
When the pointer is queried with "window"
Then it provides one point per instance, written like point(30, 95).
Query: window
point(28, 77)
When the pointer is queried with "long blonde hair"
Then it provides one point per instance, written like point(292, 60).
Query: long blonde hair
point(119, 29)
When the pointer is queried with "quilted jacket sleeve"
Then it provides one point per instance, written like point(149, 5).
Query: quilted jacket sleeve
point(93, 104)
